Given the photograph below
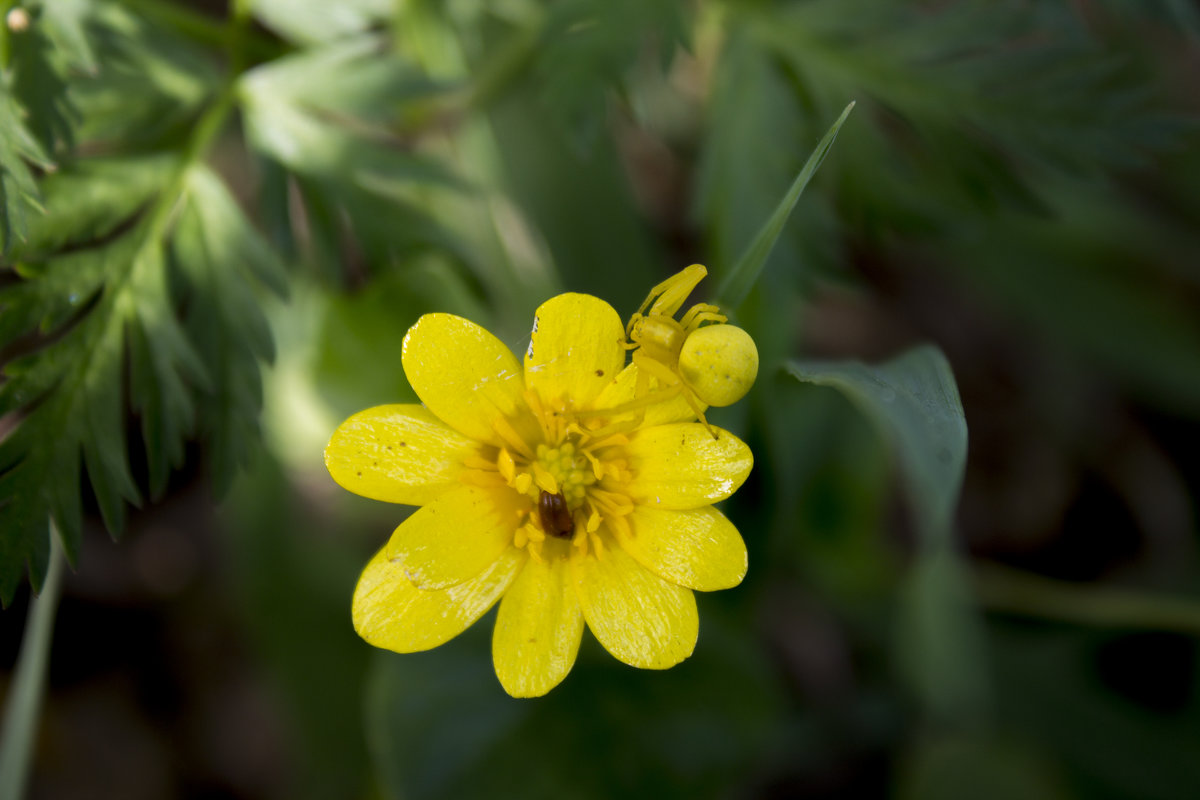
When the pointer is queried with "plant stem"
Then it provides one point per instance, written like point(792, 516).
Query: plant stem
point(1018, 592)
point(25, 694)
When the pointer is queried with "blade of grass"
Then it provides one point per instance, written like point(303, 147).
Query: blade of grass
point(741, 279)
point(25, 695)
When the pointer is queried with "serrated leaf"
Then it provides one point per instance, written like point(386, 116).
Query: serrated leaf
point(313, 114)
point(90, 199)
point(18, 189)
point(39, 82)
point(149, 81)
point(113, 295)
point(223, 259)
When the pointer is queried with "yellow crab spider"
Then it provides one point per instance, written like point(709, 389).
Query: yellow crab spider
point(710, 364)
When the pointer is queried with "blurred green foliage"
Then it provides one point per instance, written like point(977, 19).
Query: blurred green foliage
point(186, 198)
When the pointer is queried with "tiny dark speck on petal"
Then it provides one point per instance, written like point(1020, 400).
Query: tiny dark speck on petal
point(532, 639)
point(375, 463)
point(359, 474)
point(404, 444)
point(599, 373)
point(387, 447)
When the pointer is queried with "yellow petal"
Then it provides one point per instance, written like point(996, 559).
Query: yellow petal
point(397, 453)
point(623, 390)
point(699, 548)
point(391, 613)
point(466, 376)
point(575, 348)
point(455, 537)
point(681, 466)
point(638, 617)
point(538, 629)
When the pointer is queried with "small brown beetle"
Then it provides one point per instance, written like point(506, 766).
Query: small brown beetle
point(555, 516)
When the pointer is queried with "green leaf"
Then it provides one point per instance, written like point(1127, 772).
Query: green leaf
point(589, 47)
point(741, 279)
point(88, 200)
point(39, 80)
point(317, 113)
point(148, 84)
point(223, 260)
point(183, 310)
point(18, 190)
point(305, 22)
point(913, 401)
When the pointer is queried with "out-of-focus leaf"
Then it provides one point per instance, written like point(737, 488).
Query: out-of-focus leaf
point(322, 114)
point(305, 22)
point(742, 276)
point(18, 191)
point(39, 81)
point(148, 83)
point(440, 726)
point(744, 168)
point(914, 402)
point(224, 261)
point(589, 45)
point(1083, 277)
point(580, 203)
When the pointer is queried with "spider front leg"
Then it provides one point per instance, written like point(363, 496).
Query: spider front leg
point(701, 313)
point(670, 379)
point(667, 297)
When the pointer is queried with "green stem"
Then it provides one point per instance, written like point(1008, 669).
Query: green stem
point(1018, 592)
point(25, 694)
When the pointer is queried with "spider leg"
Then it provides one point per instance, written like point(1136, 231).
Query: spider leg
point(701, 312)
point(667, 297)
point(664, 374)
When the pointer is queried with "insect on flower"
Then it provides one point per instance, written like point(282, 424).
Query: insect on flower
point(548, 486)
point(555, 516)
point(712, 364)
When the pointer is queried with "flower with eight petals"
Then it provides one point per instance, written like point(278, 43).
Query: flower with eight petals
point(546, 486)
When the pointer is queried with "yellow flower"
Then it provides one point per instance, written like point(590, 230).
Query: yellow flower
point(536, 487)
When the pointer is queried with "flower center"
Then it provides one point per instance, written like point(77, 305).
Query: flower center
point(563, 470)
point(572, 485)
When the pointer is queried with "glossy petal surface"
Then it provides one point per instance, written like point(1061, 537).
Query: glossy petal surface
point(465, 376)
point(698, 548)
point(681, 466)
point(538, 629)
point(397, 453)
point(575, 348)
point(454, 538)
point(390, 612)
point(641, 619)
